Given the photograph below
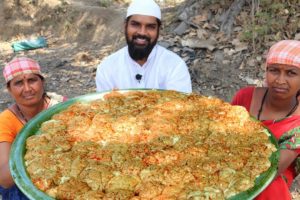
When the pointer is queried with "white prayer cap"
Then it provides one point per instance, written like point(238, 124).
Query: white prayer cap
point(144, 7)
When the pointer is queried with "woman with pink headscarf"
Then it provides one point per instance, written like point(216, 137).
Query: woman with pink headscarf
point(277, 106)
point(25, 83)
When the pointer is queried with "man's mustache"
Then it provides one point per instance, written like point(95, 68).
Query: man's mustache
point(141, 37)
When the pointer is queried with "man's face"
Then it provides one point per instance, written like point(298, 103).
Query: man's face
point(141, 35)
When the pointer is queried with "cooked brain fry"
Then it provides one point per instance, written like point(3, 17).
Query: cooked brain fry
point(148, 145)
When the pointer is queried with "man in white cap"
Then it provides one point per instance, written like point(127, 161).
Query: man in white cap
point(143, 63)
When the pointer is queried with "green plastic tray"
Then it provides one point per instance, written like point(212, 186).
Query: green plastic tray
point(22, 179)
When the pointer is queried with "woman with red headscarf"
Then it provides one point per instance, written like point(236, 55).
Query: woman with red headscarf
point(26, 85)
point(277, 106)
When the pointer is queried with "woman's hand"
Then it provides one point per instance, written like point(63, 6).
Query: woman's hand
point(286, 158)
point(6, 180)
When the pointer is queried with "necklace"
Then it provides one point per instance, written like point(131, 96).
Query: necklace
point(21, 113)
point(263, 101)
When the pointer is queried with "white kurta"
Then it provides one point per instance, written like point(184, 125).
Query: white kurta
point(163, 70)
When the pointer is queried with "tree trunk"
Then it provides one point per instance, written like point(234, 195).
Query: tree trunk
point(230, 15)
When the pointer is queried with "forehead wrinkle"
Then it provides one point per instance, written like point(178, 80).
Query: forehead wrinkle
point(24, 77)
point(143, 19)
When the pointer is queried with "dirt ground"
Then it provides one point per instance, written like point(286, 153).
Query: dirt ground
point(77, 40)
point(80, 33)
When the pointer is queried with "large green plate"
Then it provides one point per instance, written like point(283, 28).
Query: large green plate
point(22, 179)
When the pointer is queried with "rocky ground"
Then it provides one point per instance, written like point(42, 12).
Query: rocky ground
point(80, 33)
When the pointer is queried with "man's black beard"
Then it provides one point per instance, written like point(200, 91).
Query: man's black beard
point(137, 52)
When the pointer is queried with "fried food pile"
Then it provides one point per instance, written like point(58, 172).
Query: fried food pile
point(148, 145)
